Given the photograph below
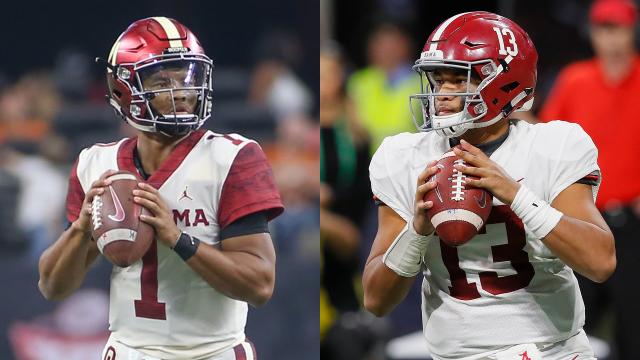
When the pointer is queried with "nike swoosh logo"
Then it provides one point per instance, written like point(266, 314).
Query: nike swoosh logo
point(482, 202)
point(119, 215)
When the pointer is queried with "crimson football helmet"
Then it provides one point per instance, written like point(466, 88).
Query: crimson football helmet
point(486, 46)
point(159, 58)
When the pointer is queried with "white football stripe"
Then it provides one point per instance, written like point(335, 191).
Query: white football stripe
point(457, 214)
point(122, 177)
point(441, 29)
point(115, 235)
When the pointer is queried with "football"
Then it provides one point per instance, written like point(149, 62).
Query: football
point(458, 211)
point(116, 227)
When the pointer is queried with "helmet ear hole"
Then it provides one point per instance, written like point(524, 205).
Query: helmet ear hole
point(510, 86)
point(117, 93)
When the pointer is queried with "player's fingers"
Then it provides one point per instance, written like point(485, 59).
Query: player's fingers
point(98, 183)
point(478, 183)
point(429, 171)
point(102, 180)
point(151, 220)
point(150, 205)
point(154, 197)
point(472, 149)
point(92, 193)
point(472, 170)
point(101, 183)
point(108, 173)
point(467, 156)
point(424, 205)
point(148, 188)
point(147, 195)
point(424, 188)
point(96, 191)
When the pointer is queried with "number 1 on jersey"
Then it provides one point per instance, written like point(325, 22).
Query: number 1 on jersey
point(148, 306)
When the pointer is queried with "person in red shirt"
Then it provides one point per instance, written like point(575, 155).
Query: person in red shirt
point(600, 95)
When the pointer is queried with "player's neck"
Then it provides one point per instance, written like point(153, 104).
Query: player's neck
point(486, 134)
point(153, 149)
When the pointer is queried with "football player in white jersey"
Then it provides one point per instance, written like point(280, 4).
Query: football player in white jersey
point(510, 292)
point(210, 197)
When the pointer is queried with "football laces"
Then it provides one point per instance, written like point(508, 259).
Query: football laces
point(96, 212)
point(458, 180)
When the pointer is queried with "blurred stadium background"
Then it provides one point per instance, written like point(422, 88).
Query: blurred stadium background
point(367, 49)
point(52, 105)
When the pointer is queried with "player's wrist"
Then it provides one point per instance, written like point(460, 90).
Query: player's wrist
point(172, 238)
point(512, 194)
point(186, 246)
point(536, 214)
point(405, 254)
point(81, 228)
point(425, 230)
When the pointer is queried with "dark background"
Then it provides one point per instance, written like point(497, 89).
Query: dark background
point(34, 32)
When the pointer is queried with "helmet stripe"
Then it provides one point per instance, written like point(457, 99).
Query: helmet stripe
point(171, 30)
point(440, 30)
point(113, 54)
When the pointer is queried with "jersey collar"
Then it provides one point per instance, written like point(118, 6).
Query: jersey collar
point(127, 155)
point(489, 147)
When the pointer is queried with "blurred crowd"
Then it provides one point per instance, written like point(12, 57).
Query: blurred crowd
point(588, 73)
point(48, 116)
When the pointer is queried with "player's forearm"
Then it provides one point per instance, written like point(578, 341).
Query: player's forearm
point(383, 288)
point(239, 275)
point(63, 265)
point(585, 247)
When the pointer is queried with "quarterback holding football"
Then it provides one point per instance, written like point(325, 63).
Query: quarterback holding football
point(508, 292)
point(208, 198)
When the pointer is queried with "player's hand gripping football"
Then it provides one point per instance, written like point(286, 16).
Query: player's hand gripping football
point(97, 188)
point(421, 222)
point(161, 218)
point(491, 176)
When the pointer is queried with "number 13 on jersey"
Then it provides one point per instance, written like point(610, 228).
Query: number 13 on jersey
point(512, 251)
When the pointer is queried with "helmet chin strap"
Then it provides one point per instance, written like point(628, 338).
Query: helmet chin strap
point(450, 125)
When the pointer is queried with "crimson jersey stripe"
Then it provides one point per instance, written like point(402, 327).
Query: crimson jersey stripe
point(249, 187)
point(592, 179)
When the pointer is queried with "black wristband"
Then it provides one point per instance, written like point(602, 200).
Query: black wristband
point(186, 246)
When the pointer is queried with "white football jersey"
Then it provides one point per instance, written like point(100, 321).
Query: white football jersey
point(159, 305)
point(504, 287)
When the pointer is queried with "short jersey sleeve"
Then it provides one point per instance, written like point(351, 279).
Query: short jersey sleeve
point(75, 195)
point(390, 178)
point(577, 160)
point(249, 187)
